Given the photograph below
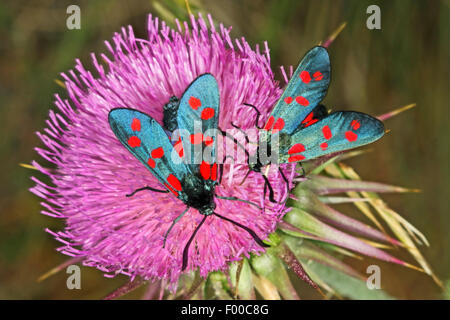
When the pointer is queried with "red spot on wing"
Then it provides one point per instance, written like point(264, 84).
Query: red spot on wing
point(288, 100)
point(178, 146)
point(194, 103)
point(208, 140)
point(136, 125)
point(295, 158)
point(351, 136)
point(269, 123)
point(309, 120)
point(134, 142)
point(151, 163)
point(327, 132)
point(324, 146)
point(174, 182)
point(171, 189)
point(207, 113)
point(196, 138)
point(205, 170)
point(214, 172)
point(279, 125)
point(305, 76)
point(296, 148)
point(157, 153)
point(355, 124)
point(318, 76)
point(302, 101)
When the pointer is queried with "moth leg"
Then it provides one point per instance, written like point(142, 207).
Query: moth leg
point(258, 114)
point(173, 223)
point(267, 184)
point(237, 199)
point(186, 247)
point(303, 170)
point(265, 190)
point(237, 142)
point(285, 180)
point(247, 140)
point(250, 231)
point(146, 188)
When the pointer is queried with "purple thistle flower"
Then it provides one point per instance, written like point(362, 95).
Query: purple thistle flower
point(93, 171)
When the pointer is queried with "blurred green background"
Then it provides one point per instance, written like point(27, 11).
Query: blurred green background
point(374, 71)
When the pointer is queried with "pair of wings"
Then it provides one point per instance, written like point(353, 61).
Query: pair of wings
point(304, 128)
point(197, 126)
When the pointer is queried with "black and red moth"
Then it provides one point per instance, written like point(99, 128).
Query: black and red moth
point(193, 184)
point(303, 127)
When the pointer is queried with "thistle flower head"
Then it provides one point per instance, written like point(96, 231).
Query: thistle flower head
point(93, 172)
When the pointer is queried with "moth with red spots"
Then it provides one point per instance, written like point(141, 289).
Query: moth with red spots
point(303, 127)
point(192, 181)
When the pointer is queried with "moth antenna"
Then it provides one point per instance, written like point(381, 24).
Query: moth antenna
point(186, 248)
point(250, 231)
point(146, 188)
point(258, 114)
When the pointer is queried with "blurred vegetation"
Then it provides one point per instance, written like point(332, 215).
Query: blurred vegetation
point(374, 71)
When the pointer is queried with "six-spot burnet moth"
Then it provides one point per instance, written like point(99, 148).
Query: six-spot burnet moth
point(302, 128)
point(192, 183)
